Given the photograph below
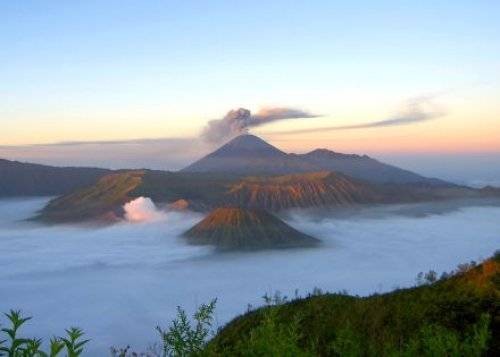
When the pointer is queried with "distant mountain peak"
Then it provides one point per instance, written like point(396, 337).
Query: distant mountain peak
point(249, 154)
point(326, 153)
point(248, 143)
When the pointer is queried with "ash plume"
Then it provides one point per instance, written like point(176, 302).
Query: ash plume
point(239, 121)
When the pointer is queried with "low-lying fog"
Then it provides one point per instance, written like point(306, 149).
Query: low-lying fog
point(119, 282)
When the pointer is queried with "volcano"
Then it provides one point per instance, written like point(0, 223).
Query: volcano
point(230, 228)
point(314, 189)
point(250, 155)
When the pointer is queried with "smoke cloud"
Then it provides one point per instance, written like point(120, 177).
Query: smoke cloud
point(416, 110)
point(141, 209)
point(239, 121)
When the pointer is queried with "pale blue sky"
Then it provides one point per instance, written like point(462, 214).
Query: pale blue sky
point(109, 70)
point(117, 60)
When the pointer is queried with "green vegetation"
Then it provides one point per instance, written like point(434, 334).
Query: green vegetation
point(16, 346)
point(181, 338)
point(455, 315)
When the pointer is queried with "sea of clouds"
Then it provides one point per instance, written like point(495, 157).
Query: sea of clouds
point(119, 282)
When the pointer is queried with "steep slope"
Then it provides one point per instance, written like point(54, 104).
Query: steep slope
point(24, 179)
point(365, 168)
point(452, 316)
point(102, 201)
point(231, 228)
point(105, 199)
point(316, 189)
point(248, 154)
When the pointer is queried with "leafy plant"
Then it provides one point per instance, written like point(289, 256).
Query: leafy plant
point(16, 346)
point(181, 338)
point(73, 343)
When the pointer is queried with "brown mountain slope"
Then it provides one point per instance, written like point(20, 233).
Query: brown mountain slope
point(205, 191)
point(244, 229)
point(301, 190)
point(101, 201)
point(105, 199)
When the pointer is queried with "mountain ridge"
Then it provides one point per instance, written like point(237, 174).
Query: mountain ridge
point(203, 192)
point(250, 155)
point(28, 179)
point(305, 186)
point(366, 168)
point(316, 189)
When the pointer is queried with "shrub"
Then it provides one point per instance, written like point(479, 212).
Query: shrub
point(272, 338)
point(436, 340)
point(15, 345)
point(181, 338)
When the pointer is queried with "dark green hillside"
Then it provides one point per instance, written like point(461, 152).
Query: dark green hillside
point(452, 317)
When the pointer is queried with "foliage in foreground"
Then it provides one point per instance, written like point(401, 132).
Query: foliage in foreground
point(184, 336)
point(272, 337)
point(456, 315)
point(16, 346)
point(182, 339)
